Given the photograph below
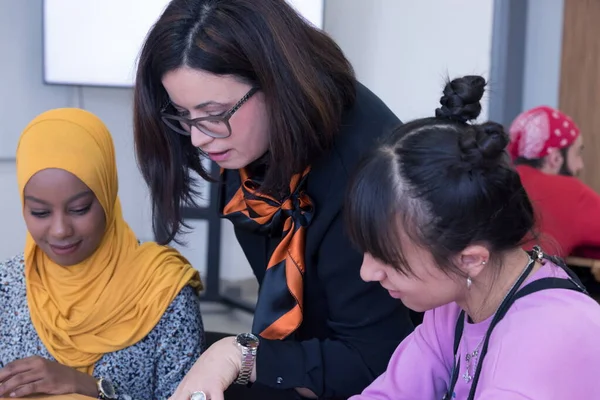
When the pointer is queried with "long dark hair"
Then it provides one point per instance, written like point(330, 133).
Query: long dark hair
point(444, 182)
point(306, 80)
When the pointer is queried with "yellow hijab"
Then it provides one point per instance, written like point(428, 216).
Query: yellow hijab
point(114, 298)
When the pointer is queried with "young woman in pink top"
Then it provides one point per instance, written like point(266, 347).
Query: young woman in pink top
point(441, 215)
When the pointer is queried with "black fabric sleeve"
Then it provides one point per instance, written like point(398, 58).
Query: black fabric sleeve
point(366, 324)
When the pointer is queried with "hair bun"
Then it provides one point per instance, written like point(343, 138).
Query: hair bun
point(493, 140)
point(483, 146)
point(461, 99)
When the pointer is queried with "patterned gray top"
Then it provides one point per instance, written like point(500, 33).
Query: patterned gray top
point(150, 369)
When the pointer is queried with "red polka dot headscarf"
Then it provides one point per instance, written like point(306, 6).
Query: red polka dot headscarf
point(535, 133)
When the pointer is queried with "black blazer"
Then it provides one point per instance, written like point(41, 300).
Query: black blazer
point(350, 328)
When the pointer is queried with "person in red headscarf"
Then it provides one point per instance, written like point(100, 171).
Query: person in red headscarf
point(547, 140)
point(546, 146)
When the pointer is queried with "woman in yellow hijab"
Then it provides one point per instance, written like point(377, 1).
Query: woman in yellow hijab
point(86, 309)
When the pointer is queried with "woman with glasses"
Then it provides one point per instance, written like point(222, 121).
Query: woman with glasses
point(273, 101)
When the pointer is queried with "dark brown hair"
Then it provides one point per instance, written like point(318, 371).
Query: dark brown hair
point(538, 163)
point(447, 183)
point(306, 80)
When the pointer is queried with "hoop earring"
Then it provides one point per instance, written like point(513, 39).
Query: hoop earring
point(469, 282)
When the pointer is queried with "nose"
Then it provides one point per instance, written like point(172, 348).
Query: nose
point(61, 227)
point(199, 138)
point(371, 270)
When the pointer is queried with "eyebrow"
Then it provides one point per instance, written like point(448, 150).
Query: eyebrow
point(71, 199)
point(202, 105)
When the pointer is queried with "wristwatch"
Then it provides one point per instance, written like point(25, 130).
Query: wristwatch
point(248, 344)
point(106, 390)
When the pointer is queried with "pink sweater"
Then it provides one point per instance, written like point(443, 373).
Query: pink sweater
point(547, 347)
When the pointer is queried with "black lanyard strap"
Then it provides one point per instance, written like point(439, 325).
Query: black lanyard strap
point(548, 283)
point(572, 283)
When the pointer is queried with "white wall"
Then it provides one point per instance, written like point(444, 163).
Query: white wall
point(23, 97)
point(543, 49)
point(405, 49)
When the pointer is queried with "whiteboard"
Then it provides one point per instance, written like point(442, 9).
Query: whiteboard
point(97, 42)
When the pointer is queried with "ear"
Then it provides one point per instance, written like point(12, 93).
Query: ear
point(473, 259)
point(553, 161)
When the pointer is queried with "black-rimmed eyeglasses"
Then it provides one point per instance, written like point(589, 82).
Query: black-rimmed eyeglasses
point(216, 126)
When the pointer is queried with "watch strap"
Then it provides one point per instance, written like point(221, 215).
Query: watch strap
point(248, 360)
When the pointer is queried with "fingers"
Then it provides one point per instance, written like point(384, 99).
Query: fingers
point(14, 368)
point(26, 389)
point(20, 385)
point(18, 373)
point(21, 377)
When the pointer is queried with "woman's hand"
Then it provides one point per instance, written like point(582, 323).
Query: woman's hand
point(36, 375)
point(216, 369)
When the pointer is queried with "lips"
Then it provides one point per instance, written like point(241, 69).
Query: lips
point(393, 293)
point(218, 156)
point(216, 152)
point(63, 249)
point(64, 246)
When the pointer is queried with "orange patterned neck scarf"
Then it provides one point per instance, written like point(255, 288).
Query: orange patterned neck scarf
point(280, 314)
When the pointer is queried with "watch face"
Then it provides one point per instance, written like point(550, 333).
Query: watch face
point(107, 389)
point(247, 340)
